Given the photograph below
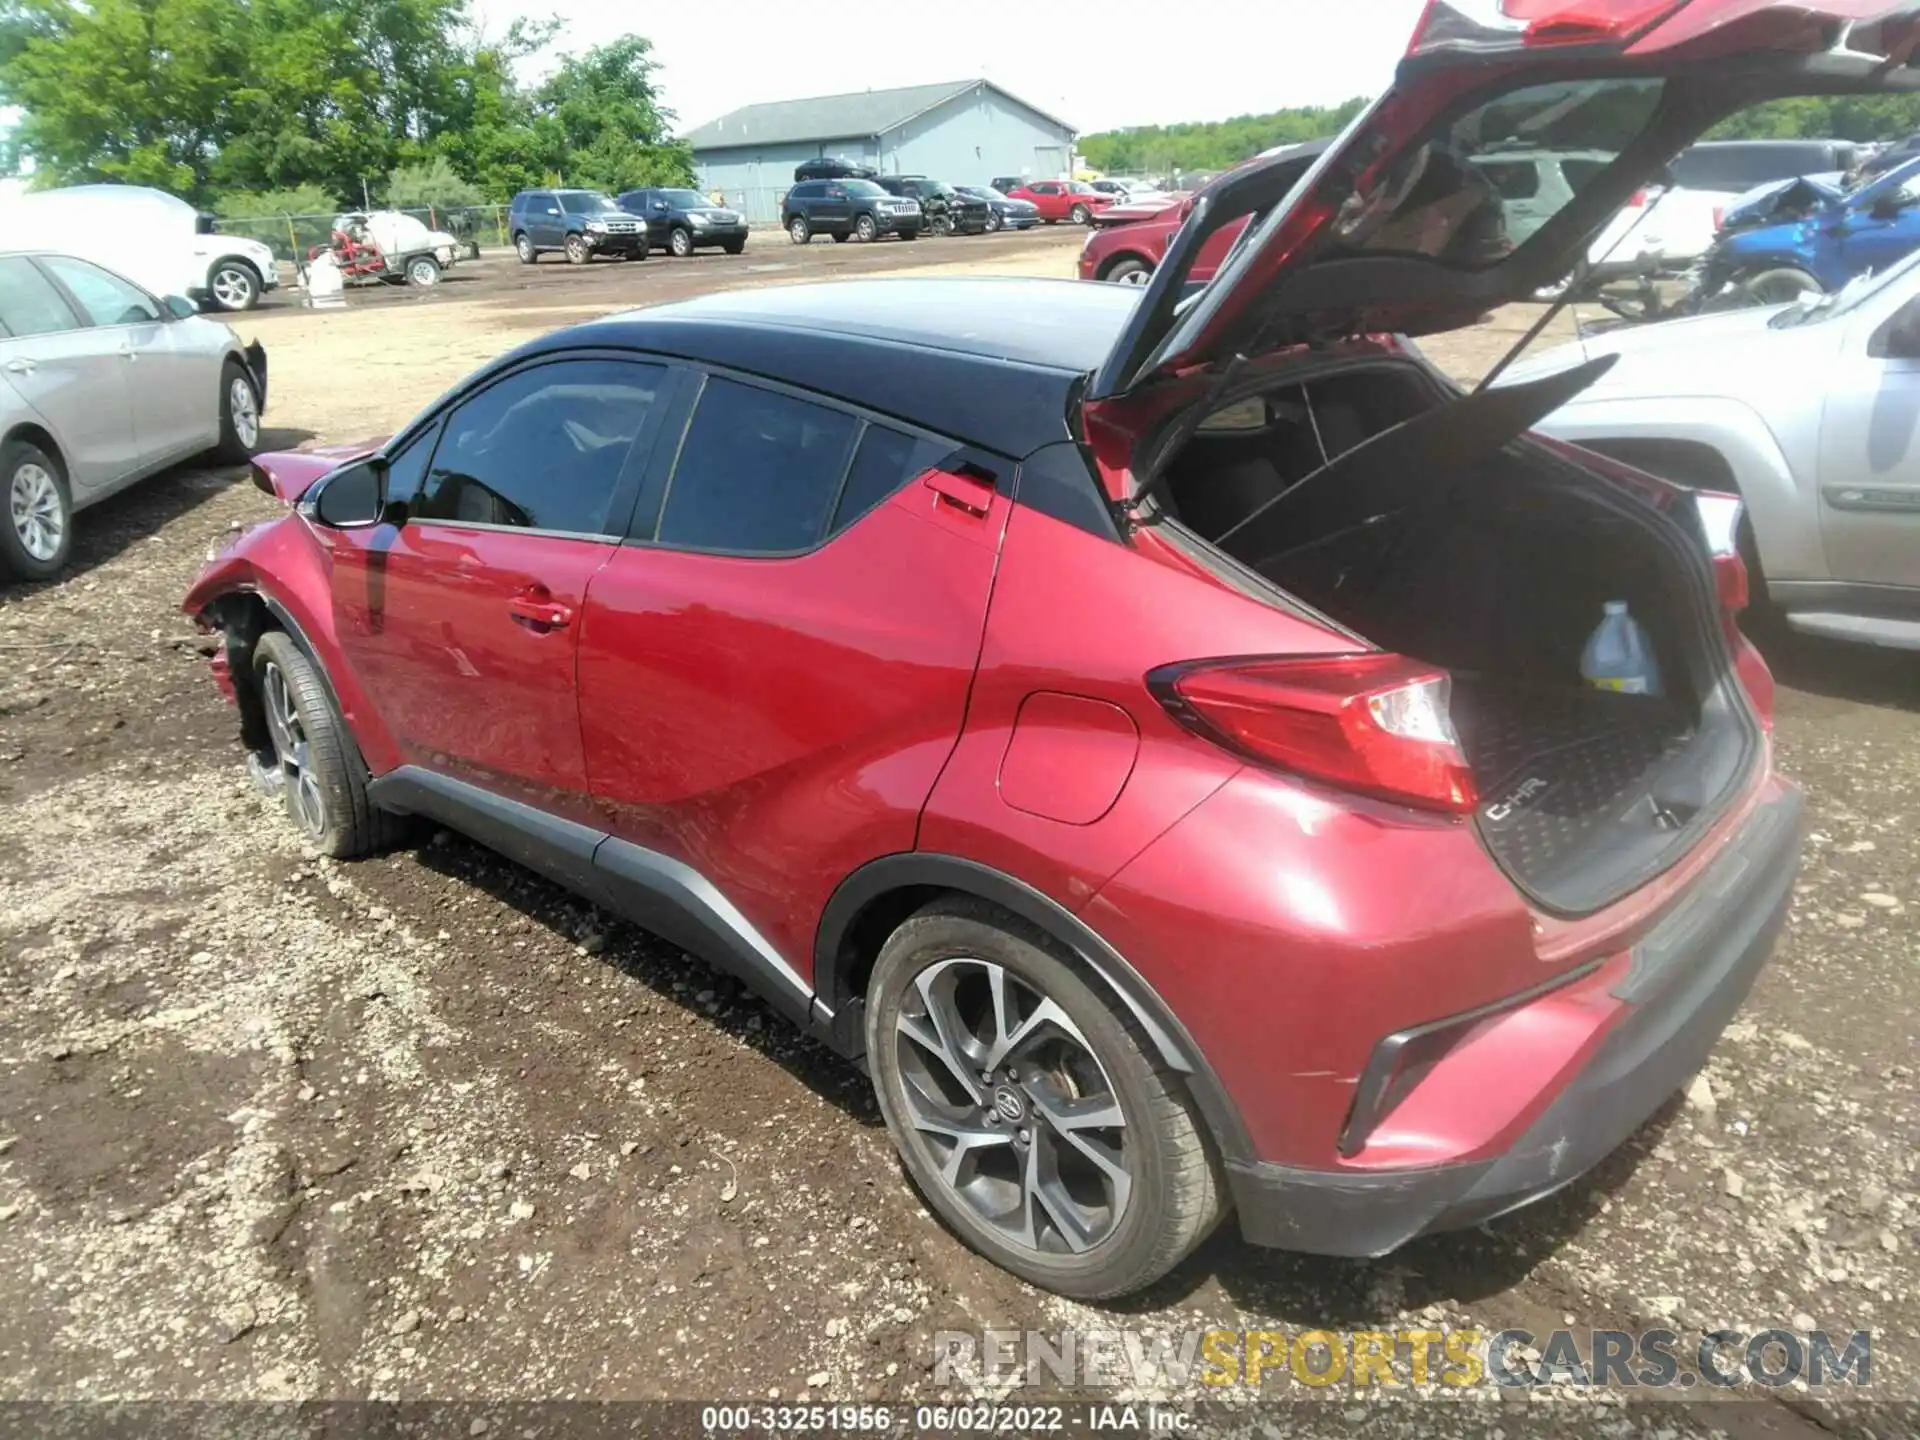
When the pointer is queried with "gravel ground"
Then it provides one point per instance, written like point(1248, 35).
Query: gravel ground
point(425, 1126)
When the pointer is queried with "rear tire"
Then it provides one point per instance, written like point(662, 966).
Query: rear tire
point(1086, 1209)
point(239, 416)
point(798, 230)
point(36, 513)
point(423, 272)
point(323, 778)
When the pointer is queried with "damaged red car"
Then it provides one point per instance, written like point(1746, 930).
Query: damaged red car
point(1147, 733)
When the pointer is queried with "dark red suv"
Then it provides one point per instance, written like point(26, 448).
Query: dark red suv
point(1150, 736)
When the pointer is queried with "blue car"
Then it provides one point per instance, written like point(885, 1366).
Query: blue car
point(1810, 236)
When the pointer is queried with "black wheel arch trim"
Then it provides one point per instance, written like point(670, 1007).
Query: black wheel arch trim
point(839, 1014)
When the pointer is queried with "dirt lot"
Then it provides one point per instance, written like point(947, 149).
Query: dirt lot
point(426, 1126)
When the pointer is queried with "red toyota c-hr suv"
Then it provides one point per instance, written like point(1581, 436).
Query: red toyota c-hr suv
point(1150, 736)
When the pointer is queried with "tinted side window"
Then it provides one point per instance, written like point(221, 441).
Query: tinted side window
point(758, 472)
point(29, 305)
point(885, 461)
point(807, 190)
point(542, 449)
point(105, 299)
point(407, 469)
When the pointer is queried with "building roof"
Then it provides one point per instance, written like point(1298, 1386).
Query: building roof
point(837, 117)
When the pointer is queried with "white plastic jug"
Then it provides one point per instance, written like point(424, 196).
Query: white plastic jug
point(1619, 656)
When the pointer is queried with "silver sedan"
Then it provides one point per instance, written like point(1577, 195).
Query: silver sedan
point(101, 385)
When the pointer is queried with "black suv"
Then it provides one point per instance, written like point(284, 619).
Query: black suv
point(685, 220)
point(842, 208)
point(583, 223)
point(947, 211)
point(831, 167)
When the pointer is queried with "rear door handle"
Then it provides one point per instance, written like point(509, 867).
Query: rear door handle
point(540, 612)
point(20, 367)
point(963, 492)
point(127, 352)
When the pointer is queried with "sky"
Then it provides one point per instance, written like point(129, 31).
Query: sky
point(1096, 64)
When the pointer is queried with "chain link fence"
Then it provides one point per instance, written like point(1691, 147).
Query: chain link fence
point(291, 237)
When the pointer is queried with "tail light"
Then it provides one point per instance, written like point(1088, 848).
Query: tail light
point(1719, 217)
point(1720, 527)
point(1639, 200)
point(1377, 724)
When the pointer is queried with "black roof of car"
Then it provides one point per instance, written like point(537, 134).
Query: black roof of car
point(994, 362)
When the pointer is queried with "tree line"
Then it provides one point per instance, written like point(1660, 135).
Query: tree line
point(1222, 144)
point(248, 106)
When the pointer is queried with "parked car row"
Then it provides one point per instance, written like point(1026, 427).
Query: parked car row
point(588, 224)
point(855, 202)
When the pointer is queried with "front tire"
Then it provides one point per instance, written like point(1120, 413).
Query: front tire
point(1781, 285)
point(233, 286)
point(36, 526)
point(866, 229)
point(1130, 271)
point(1080, 215)
point(735, 247)
point(994, 222)
point(577, 252)
point(523, 247)
point(680, 242)
point(1033, 1115)
point(322, 777)
point(798, 230)
point(239, 416)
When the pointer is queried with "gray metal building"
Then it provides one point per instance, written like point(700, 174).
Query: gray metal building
point(967, 131)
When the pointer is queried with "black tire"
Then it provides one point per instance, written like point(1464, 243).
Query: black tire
point(523, 247)
point(34, 504)
point(239, 442)
point(798, 230)
point(1079, 215)
point(909, 234)
point(577, 251)
point(840, 237)
point(1129, 271)
point(735, 247)
point(1176, 1193)
point(1781, 285)
point(349, 824)
point(941, 224)
point(233, 286)
point(423, 272)
point(680, 242)
point(866, 229)
point(994, 222)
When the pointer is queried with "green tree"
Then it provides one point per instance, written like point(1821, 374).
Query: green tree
point(1214, 144)
point(430, 183)
point(615, 133)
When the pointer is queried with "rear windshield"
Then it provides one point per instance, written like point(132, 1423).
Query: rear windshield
point(1495, 175)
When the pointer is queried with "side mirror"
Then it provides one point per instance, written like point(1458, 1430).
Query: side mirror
point(353, 498)
point(178, 307)
point(661, 206)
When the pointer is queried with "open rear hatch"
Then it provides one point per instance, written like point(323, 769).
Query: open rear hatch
point(1344, 482)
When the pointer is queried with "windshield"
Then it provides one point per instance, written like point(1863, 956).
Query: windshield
point(587, 202)
point(1080, 187)
point(1490, 179)
point(683, 197)
point(988, 192)
point(862, 188)
point(935, 187)
point(1847, 298)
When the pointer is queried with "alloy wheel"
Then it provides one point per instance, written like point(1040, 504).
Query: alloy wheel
point(232, 288)
point(244, 410)
point(864, 227)
point(305, 801)
point(1013, 1108)
point(797, 231)
point(576, 250)
point(680, 243)
point(33, 502)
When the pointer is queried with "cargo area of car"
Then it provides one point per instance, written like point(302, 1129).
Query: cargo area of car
point(1437, 536)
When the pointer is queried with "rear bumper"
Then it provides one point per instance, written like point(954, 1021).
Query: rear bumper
point(1676, 990)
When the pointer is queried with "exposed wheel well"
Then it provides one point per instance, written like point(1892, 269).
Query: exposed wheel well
point(239, 260)
point(1692, 463)
point(244, 617)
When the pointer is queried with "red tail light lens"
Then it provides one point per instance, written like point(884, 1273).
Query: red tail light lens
point(1719, 216)
point(1377, 724)
point(1639, 200)
point(1720, 527)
